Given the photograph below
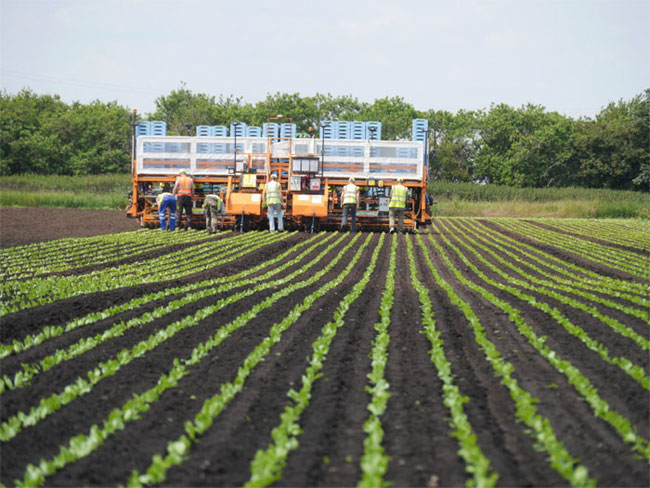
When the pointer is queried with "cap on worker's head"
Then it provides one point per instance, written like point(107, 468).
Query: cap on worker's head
point(351, 178)
point(274, 176)
point(182, 172)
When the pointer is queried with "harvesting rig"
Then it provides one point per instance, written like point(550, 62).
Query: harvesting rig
point(312, 172)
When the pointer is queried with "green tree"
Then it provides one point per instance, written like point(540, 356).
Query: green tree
point(183, 110)
point(396, 117)
point(26, 142)
point(614, 148)
point(96, 136)
point(452, 144)
point(526, 147)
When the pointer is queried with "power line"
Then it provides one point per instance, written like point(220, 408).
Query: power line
point(74, 82)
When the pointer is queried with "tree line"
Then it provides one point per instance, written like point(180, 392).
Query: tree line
point(524, 147)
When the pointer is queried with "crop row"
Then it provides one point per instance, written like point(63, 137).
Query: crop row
point(80, 386)
point(627, 261)
point(38, 259)
point(472, 285)
point(578, 380)
point(557, 270)
point(635, 233)
point(82, 444)
point(21, 295)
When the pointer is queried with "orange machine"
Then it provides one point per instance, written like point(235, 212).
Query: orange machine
point(311, 171)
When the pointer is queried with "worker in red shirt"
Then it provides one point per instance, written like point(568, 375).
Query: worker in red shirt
point(184, 191)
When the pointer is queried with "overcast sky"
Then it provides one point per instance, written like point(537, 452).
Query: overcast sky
point(571, 56)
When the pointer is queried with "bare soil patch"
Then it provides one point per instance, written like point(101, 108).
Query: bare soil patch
point(20, 226)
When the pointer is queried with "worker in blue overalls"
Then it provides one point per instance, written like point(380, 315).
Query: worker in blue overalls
point(167, 200)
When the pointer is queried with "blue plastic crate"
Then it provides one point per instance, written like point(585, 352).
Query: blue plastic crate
point(328, 130)
point(342, 151)
point(143, 129)
point(220, 131)
point(358, 130)
point(376, 136)
point(287, 130)
point(418, 129)
point(342, 129)
point(203, 131)
point(253, 131)
point(270, 129)
point(239, 131)
point(158, 128)
point(403, 152)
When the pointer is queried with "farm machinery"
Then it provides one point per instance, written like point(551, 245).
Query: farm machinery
point(312, 172)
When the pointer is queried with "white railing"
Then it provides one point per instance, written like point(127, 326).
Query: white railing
point(164, 155)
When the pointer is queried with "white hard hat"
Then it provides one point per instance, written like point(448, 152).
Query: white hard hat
point(351, 178)
point(274, 176)
point(400, 180)
point(182, 172)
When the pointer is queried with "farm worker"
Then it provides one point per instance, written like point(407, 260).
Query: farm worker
point(273, 199)
point(213, 207)
point(350, 199)
point(167, 201)
point(397, 205)
point(184, 191)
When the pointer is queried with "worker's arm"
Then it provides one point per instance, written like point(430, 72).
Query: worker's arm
point(175, 187)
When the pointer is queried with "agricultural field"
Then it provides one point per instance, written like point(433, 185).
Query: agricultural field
point(478, 352)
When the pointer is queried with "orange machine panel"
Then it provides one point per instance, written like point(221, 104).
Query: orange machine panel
point(309, 205)
point(249, 203)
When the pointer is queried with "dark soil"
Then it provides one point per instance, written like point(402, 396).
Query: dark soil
point(418, 436)
point(20, 226)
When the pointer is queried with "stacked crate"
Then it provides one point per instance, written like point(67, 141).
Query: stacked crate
point(152, 128)
point(376, 136)
point(418, 129)
point(211, 131)
point(342, 130)
point(327, 129)
point(271, 129)
point(287, 130)
point(238, 130)
point(358, 132)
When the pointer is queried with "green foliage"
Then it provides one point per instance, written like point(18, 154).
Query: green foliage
point(523, 147)
point(470, 199)
point(395, 115)
point(580, 382)
point(41, 134)
point(539, 427)
point(614, 149)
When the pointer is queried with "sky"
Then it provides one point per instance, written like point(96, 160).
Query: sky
point(570, 56)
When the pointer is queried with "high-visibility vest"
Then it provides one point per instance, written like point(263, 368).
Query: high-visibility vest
point(162, 196)
point(214, 200)
point(398, 197)
point(273, 196)
point(184, 186)
point(350, 193)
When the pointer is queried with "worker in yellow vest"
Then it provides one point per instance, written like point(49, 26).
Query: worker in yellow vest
point(184, 191)
point(397, 205)
point(350, 200)
point(273, 198)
